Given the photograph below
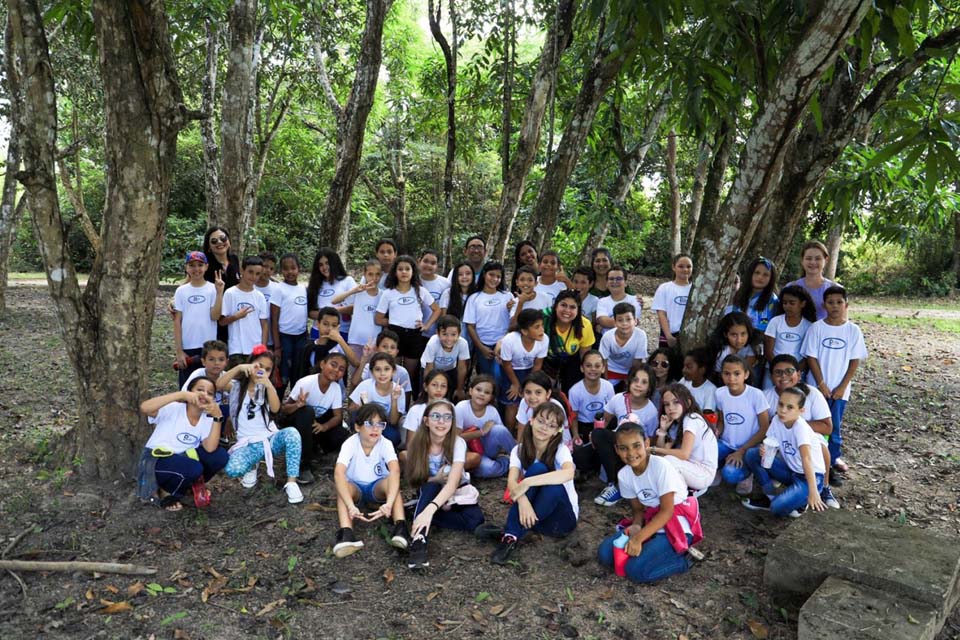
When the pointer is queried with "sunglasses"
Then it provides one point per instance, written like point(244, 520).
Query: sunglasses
point(219, 240)
point(616, 279)
point(441, 417)
point(660, 363)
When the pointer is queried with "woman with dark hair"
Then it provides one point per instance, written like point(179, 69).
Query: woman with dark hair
point(216, 246)
point(328, 278)
point(570, 336)
point(524, 255)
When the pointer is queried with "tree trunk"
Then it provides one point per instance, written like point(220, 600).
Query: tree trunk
point(351, 124)
point(630, 161)
point(211, 150)
point(724, 238)
point(236, 123)
point(833, 248)
point(9, 211)
point(558, 38)
point(596, 81)
point(674, 193)
point(450, 59)
point(956, 247)
point(106, 327)
point(713, 187)
point(696, 196)
point(509, 54)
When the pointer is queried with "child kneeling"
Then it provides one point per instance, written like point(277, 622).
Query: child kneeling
point(367, 471)
point(666, 523)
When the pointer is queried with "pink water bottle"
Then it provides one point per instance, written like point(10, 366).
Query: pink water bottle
point(620, 556)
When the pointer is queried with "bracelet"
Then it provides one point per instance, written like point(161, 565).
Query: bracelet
point(434, 503)
point(218, 419)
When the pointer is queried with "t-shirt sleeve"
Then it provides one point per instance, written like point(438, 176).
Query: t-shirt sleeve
point(811, 340)
point(347, 451)
point(515, 458)
point(470, 311)
point(625, 480)
point(463, 349)
point(387, 453)
point(760, 404)
point(859, 350)
point(459, 450)
point(336, 401)
point(178, 298)
point(589, 338)
point(819, 409)
point(660, 298)
point(540, 350)
point(384, 304)
point(263, 307)
point(563, 457)
point(444, 301)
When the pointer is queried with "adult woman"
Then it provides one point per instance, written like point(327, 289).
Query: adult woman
point(524, 255)
point(216, 246)
point(600, 261)
point(570, 335)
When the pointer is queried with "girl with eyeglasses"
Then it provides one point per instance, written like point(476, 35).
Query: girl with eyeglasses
point(434, 465)
point(257, 435)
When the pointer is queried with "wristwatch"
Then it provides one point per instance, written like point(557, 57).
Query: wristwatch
point(218, 419)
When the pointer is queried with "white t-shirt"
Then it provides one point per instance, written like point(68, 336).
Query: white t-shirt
point(513, 351)
point(400, 375)
point(254, 427)
point(551, 291)
point(466, 419)
point(194, 304)
point(563, 456)
point(745, 352)
point(245, 333)
point(834, 347)
point(705, 442)
point(787, 339)
point(607, 303)
point(369, 386)
point(489, 313)
point(672, 298)
point(792, 439)
point(459, 455)
point(705, 394)
point(436, 287)
point(740, 414)
point(292, 300)
point(269, 292)
point(588, 306)
point(411, 421)
point(218, 396)
point(659, 479)
point(319, 401)
point(330, 289)
point(173, 430)
point(444, 360)
point(648, 414)
point(541, 301)
point(363, 329)
point(524, 413)
point(586, 404)
point(402, 308)
point(363, 468)
point(814, 408)
point(620, 357)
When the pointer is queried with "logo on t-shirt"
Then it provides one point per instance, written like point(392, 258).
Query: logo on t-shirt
point(621, 356)
point(647, 494)
point(492, 302)
point(301, 300)
point(197, 299)
point(787, 448)
point(326, 293)
point(319, 410)
point(244, 305)
point(594, 406)
point(733, 418)
point(370, 307)
point(443, 360)
point(834, 343)
point(379, 470)
point(789, 336)
point(188, 439)
point(436, 295)
point(680, 300)
point(406, 300)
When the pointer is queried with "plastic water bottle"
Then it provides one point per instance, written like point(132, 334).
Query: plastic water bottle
point(598, 422)
point(259, 394)
point(620, 556)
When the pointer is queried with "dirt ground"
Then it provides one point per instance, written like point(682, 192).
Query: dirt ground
point(252, 566)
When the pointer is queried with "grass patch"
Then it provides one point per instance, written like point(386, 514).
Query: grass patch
point(940, 324)
point(932, 304)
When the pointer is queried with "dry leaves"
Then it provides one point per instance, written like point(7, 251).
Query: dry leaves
point(111, 608)
point(389, 575)
point(271, 606)
point(135, 588)
point(758, 629)
point(432, 595)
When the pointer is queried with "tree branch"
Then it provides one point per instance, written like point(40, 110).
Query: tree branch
point(328, 93)
point(76, 199)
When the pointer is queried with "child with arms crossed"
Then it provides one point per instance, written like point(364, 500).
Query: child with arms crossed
point(626, 346)
point(448, 353)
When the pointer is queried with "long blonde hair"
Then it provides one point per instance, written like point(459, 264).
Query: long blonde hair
point(418, 451)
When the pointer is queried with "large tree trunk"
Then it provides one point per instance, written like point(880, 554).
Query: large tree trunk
point(845, 116)
point(351, 125)
point(237, 123)
point(674, 186)
point(106, 327)
point(9, 211)
point(558, 38)
point(723, 239)
point(597, 80)
point(208, 136)
point(450, 60)
point(630, 161)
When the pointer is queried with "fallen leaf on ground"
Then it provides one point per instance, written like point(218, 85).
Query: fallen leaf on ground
point(89, 594)
point(115, 607)
point(271, 606)
point(135, 588)
point(478, 617)
point(111, 588)
point(758, 629)
point(432, 595)
point(180, 634)
point(496, 609)
point(389, 575)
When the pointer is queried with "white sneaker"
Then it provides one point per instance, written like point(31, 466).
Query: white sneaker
point(745, 487)
point(249, 479)
point(294, 495)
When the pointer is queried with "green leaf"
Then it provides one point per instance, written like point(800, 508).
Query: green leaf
point(483, 595)
point(815, 111)
point(901, 22)
point(908, 163)
point(63, 604)
point(291, 563)
point(179, 615)
point(888, 152)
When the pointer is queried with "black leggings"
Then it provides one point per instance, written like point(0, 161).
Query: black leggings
point(328, 441)
point(601, 452)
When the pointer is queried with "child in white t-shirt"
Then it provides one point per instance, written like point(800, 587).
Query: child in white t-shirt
point(380, 389)
point(361, 302)
point(693, 447)
point(196, 309)
point(617, 281)
point(269, 289)
point(483, 429)
point(696, 365)
point(589, 396)
point(429, 280)
point(552, 279)
point(367, 471)
point(798, 464)
point(670, 300)
point(245, 311)
point(785, 332)
point(626, 346)
point(448, 352)
point(288, 319)
point(583, 279)
point(528, 297)
point(742, 422)
point(521, 352)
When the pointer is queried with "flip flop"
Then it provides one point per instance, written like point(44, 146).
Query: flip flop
point(171, 503)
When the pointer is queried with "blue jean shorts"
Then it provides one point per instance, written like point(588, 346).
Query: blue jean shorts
point(366, 491)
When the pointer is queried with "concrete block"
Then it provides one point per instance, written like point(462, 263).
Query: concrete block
point(901, 561)
point(841, 610)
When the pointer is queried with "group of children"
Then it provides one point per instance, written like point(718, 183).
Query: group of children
point(445, 380)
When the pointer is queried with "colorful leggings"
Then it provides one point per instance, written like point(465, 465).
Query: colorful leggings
point(246, 458)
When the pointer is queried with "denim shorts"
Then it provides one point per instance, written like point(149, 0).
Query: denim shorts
point(366, 490)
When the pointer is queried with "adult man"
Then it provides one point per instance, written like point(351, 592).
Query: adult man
point(475, 253)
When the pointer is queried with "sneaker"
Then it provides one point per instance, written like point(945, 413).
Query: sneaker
point(400, 536)
point(249, 479)
point(609, 496)
point(305, 477)
point(757, 504)
point(836, 478)
point(346, 543)
point(745, 486)
point(796, 513)
point(417, 556)
point(489, 532)
point(828, 498)
point(840, 465)
point(294, 495)
point(501, 555)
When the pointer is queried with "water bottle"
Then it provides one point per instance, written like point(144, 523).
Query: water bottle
point(259, 394)
point(598, 422)
point(620, 556)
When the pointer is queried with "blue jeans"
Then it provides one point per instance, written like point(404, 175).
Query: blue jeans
point(796, 493)
point(657, 559)
point(493, 465)
point(286, 441)
point(837, 407)
point(177, 473)
point(459, 518)
point(292, 350)
point(183, 374)
point(730, 473)
point(555, 517)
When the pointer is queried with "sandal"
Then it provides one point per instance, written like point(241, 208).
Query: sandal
point(171, 503)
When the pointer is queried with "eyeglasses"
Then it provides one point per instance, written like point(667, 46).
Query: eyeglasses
point(475, 247)
point(379, 425)
point(616, 279)
point(219, 240)
point(781, 373)
point(441, 417)
point(660, 363)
